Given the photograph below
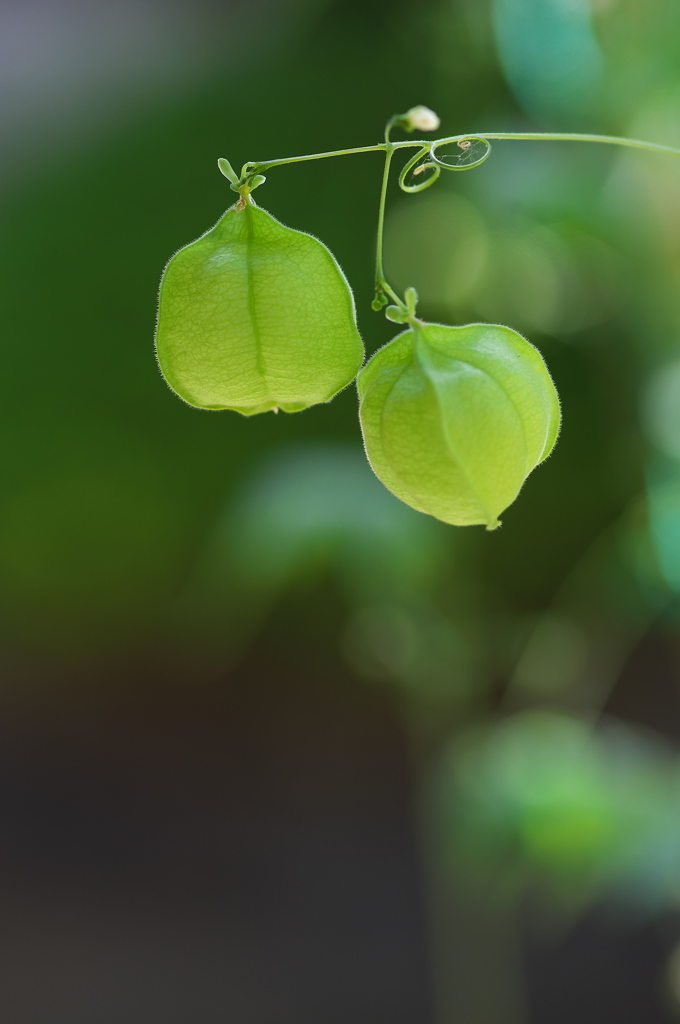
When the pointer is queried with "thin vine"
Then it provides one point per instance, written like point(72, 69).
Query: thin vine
point(428, 161)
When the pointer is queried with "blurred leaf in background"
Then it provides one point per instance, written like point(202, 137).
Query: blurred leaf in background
point(550, 56)
point(542, 800)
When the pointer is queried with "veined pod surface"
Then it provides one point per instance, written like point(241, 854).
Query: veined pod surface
point(254, 316)
point(455, 418)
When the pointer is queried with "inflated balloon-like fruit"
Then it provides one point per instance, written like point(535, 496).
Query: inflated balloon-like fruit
point(455, 418)
point(255, 316)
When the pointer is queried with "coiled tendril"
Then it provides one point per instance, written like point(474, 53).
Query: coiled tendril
point(474, 151)
point(422, 167)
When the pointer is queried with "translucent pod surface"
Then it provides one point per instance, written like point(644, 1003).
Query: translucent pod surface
point(455, 418)
point(255, 316)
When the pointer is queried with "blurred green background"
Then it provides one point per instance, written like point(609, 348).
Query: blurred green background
point(277, 748)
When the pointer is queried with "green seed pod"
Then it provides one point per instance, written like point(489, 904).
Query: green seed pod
point(255, 316)
point(455, 418)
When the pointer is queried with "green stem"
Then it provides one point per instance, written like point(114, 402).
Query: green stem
point(388, 147)
point(614, 140)
point(263, 165)
point(381, 284)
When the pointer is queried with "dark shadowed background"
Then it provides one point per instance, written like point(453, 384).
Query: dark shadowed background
point(274, 748)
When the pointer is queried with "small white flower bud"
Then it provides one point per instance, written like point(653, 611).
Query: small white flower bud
point(422, 118)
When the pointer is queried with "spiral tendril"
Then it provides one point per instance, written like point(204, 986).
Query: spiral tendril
point(421, 168)
point(475, 149)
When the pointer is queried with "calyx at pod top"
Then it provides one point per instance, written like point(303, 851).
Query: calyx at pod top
point(455, 418)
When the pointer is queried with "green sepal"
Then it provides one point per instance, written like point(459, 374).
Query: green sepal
point(411, 300)
point(227, 170)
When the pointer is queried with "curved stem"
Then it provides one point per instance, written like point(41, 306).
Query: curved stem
point(613, 140)
point(381, 284)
